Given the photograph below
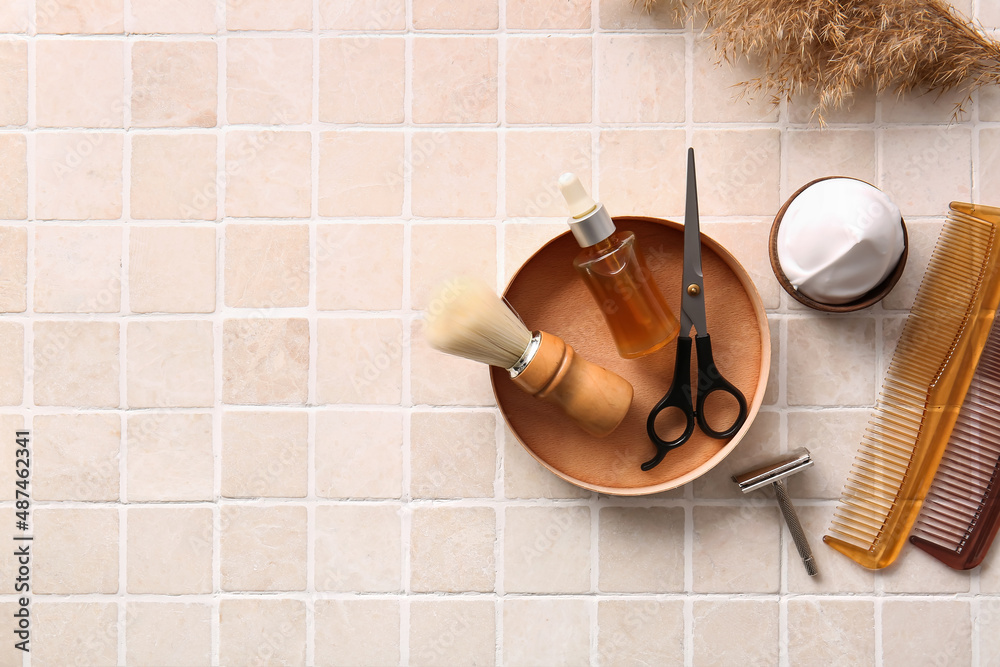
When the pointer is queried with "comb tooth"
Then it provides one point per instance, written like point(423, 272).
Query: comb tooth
point(945, 526)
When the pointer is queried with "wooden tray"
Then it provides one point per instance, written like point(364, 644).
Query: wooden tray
point(549, 295)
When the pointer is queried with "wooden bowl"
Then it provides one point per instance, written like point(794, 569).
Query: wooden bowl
point(869, 298)
point(550, 296)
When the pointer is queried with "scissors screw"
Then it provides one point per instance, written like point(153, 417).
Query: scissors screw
point(694, 290)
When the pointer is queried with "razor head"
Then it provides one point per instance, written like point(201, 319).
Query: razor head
point(779, 469)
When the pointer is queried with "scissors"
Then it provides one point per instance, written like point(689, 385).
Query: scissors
point(710, 380)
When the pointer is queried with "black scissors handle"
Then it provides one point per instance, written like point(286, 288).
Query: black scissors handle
point(679, 396)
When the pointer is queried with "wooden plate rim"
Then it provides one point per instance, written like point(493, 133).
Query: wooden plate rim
point(758, 398)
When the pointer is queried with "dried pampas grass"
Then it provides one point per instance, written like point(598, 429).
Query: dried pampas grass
point(835, 48)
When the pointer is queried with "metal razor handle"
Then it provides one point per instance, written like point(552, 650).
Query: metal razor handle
point(794, 527)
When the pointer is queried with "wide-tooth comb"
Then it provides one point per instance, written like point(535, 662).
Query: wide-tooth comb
point(923, 391)
point(961, 514)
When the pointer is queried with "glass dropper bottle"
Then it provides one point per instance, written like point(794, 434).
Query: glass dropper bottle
point(616, 274)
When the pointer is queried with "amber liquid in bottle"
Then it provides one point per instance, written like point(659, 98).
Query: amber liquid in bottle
point(635, 310)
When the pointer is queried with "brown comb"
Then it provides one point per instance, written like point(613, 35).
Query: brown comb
point(961, 514)
point(924, 390)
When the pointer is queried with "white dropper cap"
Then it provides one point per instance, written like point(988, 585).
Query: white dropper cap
point(590, 222)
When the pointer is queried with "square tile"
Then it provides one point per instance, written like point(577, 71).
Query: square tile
point(78, 269)
point(173, 16)
point(79, 16)
point(76, 364)
point(988, 622)
point(945, 635)
point(14, 16)
point(263, 548)
point(360, 173)
point(454, 78)
point(264, 15)
point(170, 457)
point(437, 378)
point(837, 574)
point(548, 15)
point(268, 174)
point(442, 184)
point(523, 239)
point(262, 631)
point(13, 81)
point(920, 107)
point(79, 83)
point(67, 632)
point(359, 361)
point(740, 171)
point(640, 632)
point(831, 436)
point(78, 176)
point(269, 80)
point(717, 89)
point(532, 176)
point(13, 269)
point(923, 169)
point(358, 548)
point(443, 15)
point(170, 550)
point(437, 534)
point(622, 15)
point(989, 575)
point(748, 241)
point(858, 109)
point(827, 632)
point(524, 477)
point(170, 364)
point(549, 79)
point(452, 454)
point(11, 423)
point(158, 633)
point(366, 15)
point(267, 266)
point(831, 361)
point(265, 361)
point(357, 633)
point(760, 444)
point(547, 550)
point(812, 154)
point(91, 535)
point(632, 171)
point(917, 572)
point(174, 177)
point(922, 235)
point(989, 162)
point(641, 549)
point(753, 568)
point(264, 454)
point(470, 247)
point(345, 254)
point(361, 80)
point(14, 175)
point(546, 633)
point(452, 632)
point(171, 270)
point(76, 456)
point(641, 78)
point(741, 632)
point(174, 84)
point(990, 95)
point(344, 470)
point(11, 363)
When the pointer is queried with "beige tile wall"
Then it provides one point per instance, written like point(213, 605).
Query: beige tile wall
point(219, 220)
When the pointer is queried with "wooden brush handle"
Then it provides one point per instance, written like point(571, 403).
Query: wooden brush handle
point(594, 397)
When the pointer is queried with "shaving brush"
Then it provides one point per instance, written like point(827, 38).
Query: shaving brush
point(467, 319)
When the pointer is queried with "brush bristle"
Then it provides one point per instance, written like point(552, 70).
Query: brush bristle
point(467, 319)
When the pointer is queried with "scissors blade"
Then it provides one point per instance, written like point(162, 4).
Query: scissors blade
point(693, 294)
